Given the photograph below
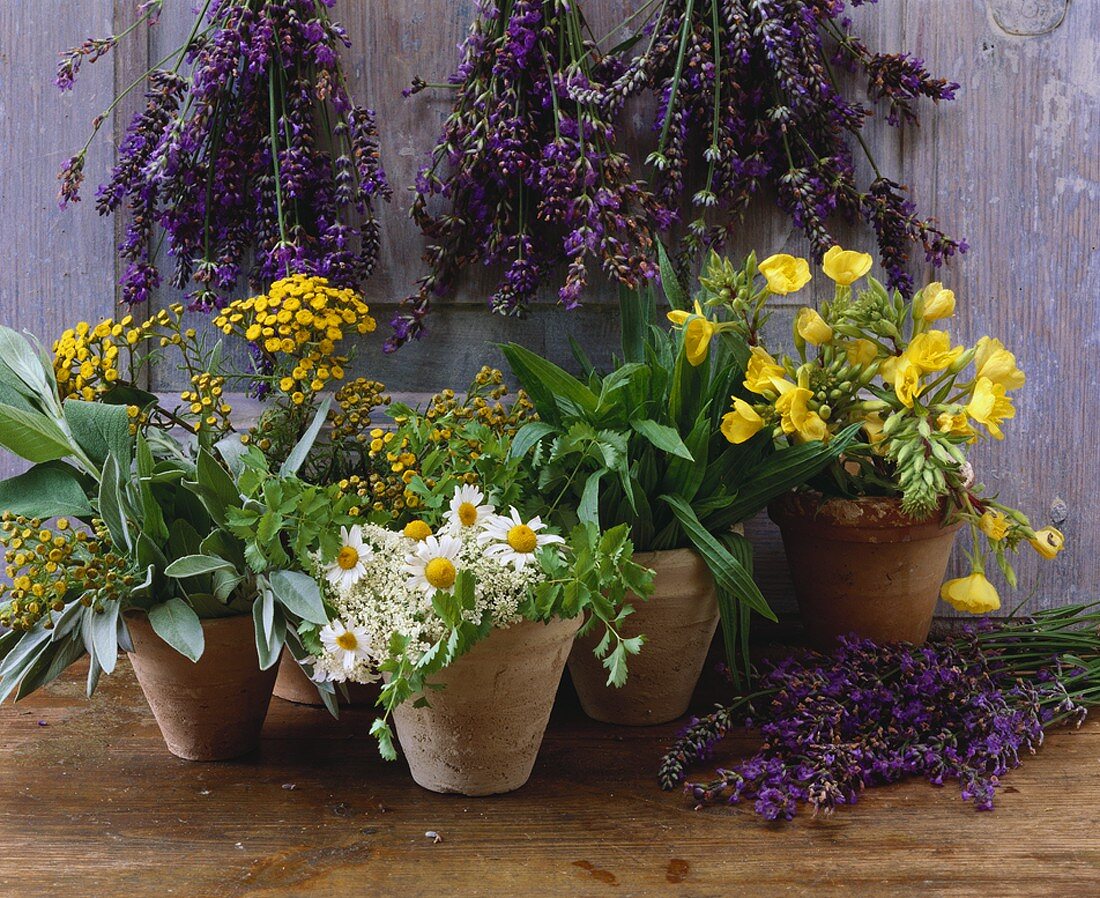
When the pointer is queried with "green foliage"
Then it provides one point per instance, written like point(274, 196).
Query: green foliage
point(641, 445)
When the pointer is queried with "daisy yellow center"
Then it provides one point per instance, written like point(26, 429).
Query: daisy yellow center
point(417, 530)
point(467, 513)
point(347, 641)
point(347, 558)
point(440, 573)
point(522, 538)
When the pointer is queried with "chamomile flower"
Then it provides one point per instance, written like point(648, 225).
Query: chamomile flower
point(468, 508)
point(434, 564)
point(350, 564)
point(350, 645)
point(511, 541)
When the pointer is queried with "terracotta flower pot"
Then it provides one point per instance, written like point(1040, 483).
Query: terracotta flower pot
point(482, 732)
point(211, 710)
point(292, 685)
point(862, 566)
point(678, 621)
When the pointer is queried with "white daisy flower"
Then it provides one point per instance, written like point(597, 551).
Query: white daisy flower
point(511, 541)
point(350, 645)
point(434, 564)
point(350, 564)
point(468, 508)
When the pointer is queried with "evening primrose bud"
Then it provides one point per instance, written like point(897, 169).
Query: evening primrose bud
point(962, 361)
point(825, 412)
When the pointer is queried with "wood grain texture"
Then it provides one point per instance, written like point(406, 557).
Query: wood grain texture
point(94, 805)
point(1012, 165)
point(56, 262)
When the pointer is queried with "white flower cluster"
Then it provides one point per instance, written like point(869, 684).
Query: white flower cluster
point(381, 582)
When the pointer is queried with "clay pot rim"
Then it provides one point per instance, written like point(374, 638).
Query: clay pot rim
point(813, 510)
point(140, 613)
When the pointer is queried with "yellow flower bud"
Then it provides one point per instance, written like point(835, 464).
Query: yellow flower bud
point(973, 594)
point(812, 328)
point(845, 266)
point(936, 302)
point(785, 274)
point(742, 424)
point(1048, 542)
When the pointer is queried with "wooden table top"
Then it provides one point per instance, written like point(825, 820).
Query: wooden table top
point(92, 805)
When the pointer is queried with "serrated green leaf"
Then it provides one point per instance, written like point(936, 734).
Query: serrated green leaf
point(665, 438)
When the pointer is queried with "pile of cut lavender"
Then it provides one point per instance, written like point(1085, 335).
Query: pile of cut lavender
point(258, 151)
point(965, 708)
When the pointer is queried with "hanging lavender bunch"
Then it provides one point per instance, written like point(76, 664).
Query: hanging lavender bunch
point(964, 709)
point(748, 99)
point(257, 154)
point(528, 173)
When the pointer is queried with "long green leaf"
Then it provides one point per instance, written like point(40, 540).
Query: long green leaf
point(527, 436)
point(100, 430)
point(49, 490)
point(632, 318)
point(32, 435)
point(196, 566)
point(781, 471)
point(177, 624)
point(665, 438)
point(674, 291)
point(112, 509)
point(548, 384)
point(299, 594)
point(729, 573)
point(298, 454)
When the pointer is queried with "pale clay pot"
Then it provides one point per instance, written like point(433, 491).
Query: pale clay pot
point(482, 731)
point(862, 566)
point(678, 621)
point(211, 710)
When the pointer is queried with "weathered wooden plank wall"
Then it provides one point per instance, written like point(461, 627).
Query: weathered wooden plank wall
point(1014, 166)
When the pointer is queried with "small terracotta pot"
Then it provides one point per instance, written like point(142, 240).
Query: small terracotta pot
point(481, 733)
point(678, 621)
point(211, 710)
point(292, 685)
point(862, 566)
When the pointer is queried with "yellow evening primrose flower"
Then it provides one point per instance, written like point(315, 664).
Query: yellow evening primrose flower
point(889, 368)
point(846, 266)
point(973, 594)
point(872, 426)
point(761, 372)
point(955, 423)
point(796, 417)
point(742, 424)
point(990, 406)
point(995, 362)
point(906, 379)
point(785, 274)
point(937, 302)
point(1048, 542)
point(861, 351)
point(993, 524)
point(679, 316)
point(931, 351)
point(697, 336)
point(811, 327)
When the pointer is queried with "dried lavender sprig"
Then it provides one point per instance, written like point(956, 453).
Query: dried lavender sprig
point(260, 152)
point(746, 96)
point(526, 173)
point(965, 709)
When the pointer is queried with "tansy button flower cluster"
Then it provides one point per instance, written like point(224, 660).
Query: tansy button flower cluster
point(296, 328)
point(869, 359)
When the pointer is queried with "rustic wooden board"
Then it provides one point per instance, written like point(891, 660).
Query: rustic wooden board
point(94, 805)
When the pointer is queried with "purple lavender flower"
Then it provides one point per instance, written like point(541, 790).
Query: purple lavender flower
point(230, 164)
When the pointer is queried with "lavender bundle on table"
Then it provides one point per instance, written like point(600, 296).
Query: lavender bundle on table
point(748, 98)
point(249, 152)
point(962, 709)
point(527, 166)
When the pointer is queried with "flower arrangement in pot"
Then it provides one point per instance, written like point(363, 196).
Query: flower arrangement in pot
point(117, 536)
point(868, 543)
point(644, 445)
point(464, 601)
